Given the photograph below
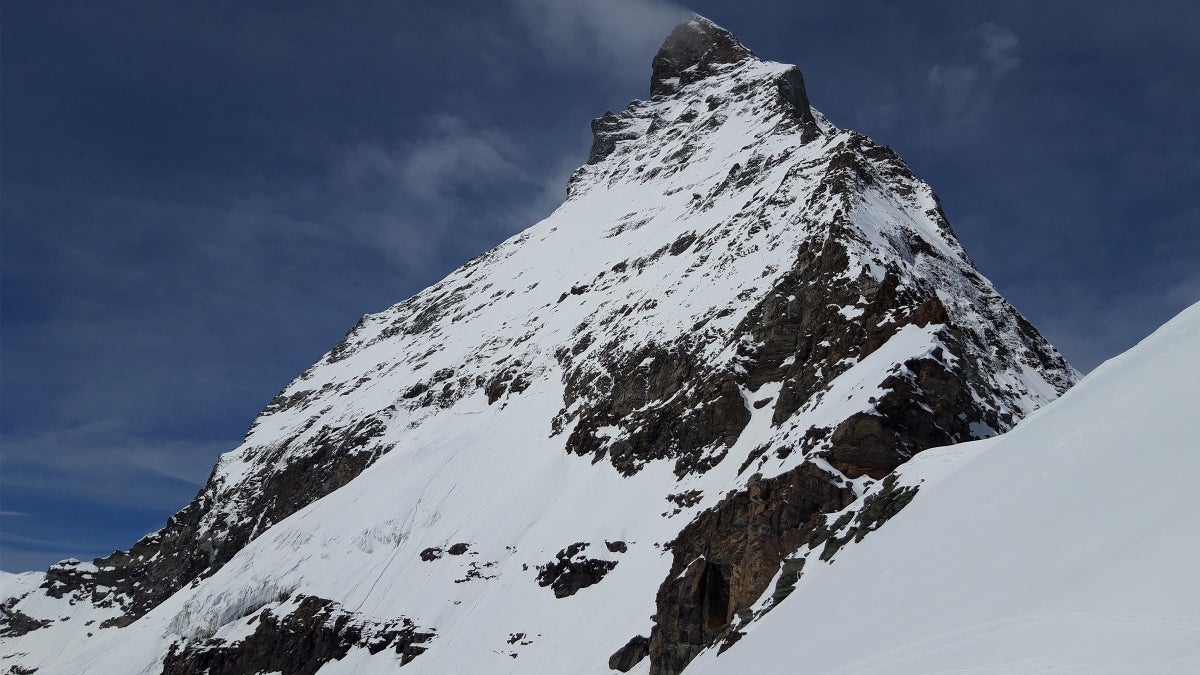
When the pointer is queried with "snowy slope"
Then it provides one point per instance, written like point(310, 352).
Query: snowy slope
point(741, 313)
point(1070, 544)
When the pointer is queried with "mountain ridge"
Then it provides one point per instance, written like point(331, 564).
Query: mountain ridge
point(741, 314)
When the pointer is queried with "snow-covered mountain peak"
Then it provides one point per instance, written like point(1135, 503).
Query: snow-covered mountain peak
point(716, 351)
point(701, 77)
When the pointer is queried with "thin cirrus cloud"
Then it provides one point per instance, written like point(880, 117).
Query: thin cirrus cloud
point(617, 37)
point(963, 90)
point(107, 462)
point(85, 487)
point(448, 157)
point(440, 191)
point(999, 48)
point(997, 54)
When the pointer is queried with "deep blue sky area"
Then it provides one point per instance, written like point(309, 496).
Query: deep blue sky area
point(198, 199)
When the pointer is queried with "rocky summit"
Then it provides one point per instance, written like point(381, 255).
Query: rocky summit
point(612, 443)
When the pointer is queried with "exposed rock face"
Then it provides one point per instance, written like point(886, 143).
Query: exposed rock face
point(725, 558)
point(607, 131)
point(17, 622)
point(571, 571)
point(625, 658)
point(696, 424)
point(301, 641)
point(690, 53)
point(718, 349)
point(877, 509)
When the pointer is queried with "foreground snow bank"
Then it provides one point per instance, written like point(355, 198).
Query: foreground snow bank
point(1070, 544)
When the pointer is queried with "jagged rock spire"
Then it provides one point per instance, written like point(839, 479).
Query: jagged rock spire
point(689, 53)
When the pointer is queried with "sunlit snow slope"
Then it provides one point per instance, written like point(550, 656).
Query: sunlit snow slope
point(1070, 544)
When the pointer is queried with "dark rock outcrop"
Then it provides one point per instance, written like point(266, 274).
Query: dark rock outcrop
point(607, 130)
point(691, 52)
point(14, 622)
point(924, 408)
point(791, 89)
point(300, 642)
point(725, 558)
point(877, 509)
point(571, 571)
point(624, 659)
point(658, 394)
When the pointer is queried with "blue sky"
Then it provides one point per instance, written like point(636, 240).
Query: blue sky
point(199, 199)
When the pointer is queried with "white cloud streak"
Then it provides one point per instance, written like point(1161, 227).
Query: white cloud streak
point(107, 463)
point(997, 55)
point(617, 37)
point(964, 90)
point(452, 187)
point(999, 47)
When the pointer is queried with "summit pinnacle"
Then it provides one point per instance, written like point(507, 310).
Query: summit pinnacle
point(690, 52)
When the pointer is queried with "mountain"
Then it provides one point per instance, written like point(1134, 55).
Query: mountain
point(1066, 545)
point(611, 442)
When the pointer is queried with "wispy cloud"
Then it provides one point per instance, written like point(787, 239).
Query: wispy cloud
point(18, 560)
point(425, 198)
point(617, 37)
point(996, 55)
point(42, 544)
point(450, 155)
point(109, 463)
point(964, 90)
point(952, 77)
point(92, 488)
point(999, 48)
point(21, 552)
